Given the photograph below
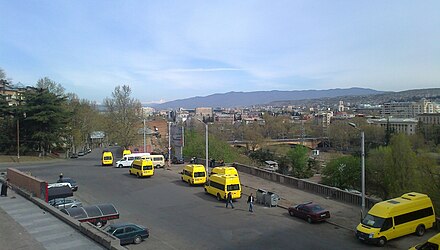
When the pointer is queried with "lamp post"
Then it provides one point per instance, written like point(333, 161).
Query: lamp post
point(169, 142)
point(362, 164)
point(206, 144)
point(145, 145)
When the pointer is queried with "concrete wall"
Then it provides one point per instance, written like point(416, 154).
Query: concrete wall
point(106, 240)
point(331, 192)
point(31, 184)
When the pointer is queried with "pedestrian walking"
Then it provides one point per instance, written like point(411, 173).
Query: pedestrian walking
point(4, 190)
point(229, 200)
point(251, 203)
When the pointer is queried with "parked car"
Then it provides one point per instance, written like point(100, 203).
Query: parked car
point(65, 203)
point(72, 183)
point(309, 211)
point(81, 153)
point(73, 155)
point(128, 232)
point(176, 160)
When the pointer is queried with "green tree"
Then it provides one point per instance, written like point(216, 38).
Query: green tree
point(298, 158)
point(343, 172)
point(124, 116)
point(46, 119)
point(391, 170)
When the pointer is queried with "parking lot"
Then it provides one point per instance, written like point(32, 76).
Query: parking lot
point(184, 217)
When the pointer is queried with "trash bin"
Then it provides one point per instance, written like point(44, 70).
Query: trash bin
point(260, 195)
point(271, 199)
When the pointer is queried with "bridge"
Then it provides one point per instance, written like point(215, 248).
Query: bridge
point(311, 143)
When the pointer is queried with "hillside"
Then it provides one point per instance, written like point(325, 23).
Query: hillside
point(246, 99)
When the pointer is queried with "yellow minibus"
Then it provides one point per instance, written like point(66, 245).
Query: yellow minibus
point(142, 168)
point(224, 170)
point(194, 174)
point(220, 185)
point(126, 152)
point(411, 213)
point(107, 158)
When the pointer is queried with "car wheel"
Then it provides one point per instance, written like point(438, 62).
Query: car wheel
point(137, 239)
point(420, 230)
point(120, 166)
point(309, 220)
point(219, 198)
point(98, 224)
point(382, 241)
point(189, 183)
point(291, 213)
point(138, 175)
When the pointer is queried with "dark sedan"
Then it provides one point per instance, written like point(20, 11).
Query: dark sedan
point(310, 211)
point(71, 181)
point(128, 232)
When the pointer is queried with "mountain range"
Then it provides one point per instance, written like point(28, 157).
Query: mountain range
point(247, 99)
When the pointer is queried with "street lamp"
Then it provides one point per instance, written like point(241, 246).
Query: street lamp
point(206, 144)
point(18, 136)
point(169, 142)
point(363, 164)
point(145, 144)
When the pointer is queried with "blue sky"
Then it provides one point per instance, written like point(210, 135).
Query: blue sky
point(168, 50)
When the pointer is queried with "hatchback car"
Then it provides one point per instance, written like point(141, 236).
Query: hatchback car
point(81, 153)
point(128, 232)
point(309, 211)
point(72, 183)
point(65, 203)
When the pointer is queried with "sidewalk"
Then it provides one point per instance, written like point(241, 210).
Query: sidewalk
point(343, 215)
point(24, 225)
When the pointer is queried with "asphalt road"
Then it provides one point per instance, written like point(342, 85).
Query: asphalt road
point(184, 217)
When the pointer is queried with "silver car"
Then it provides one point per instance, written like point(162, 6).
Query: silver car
point(65, 203)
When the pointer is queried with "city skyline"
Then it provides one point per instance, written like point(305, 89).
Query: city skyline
point(168, 51)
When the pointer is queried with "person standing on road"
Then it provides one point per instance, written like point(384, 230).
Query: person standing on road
point(60, 180)
point(251, 203)
point(229, 200)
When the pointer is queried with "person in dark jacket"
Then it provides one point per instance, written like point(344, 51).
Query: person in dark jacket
point(251, 203)
point(229, 200)
point(4, 190)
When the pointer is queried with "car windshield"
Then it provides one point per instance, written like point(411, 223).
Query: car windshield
point(233, 187)
point(199, 174)
point(373, 221)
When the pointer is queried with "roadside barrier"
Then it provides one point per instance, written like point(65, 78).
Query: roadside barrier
point(327, 191)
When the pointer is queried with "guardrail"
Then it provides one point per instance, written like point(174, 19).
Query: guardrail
point(327, 191)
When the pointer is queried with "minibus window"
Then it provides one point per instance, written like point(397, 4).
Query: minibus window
point(373, 221)
point(388, 223)
point(199, 174)
point(233, 187)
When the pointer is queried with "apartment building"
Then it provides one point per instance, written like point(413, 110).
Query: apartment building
point(398, 125)
point(407, 109)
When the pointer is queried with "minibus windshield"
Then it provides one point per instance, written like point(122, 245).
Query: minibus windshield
point(199, 174)
point(373, 221)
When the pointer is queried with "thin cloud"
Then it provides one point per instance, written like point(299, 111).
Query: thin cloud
point(204, 70)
